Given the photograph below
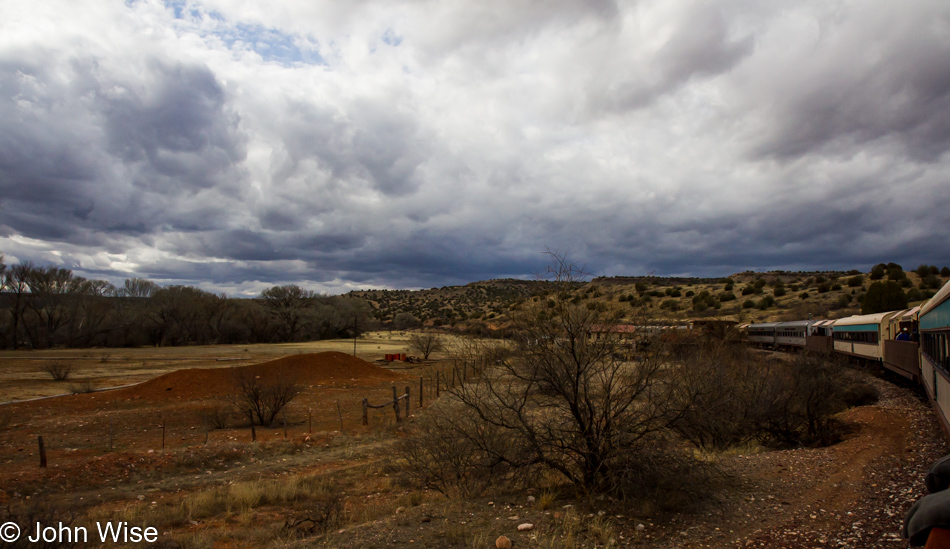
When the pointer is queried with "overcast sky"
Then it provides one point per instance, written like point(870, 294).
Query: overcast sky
point(238, 144)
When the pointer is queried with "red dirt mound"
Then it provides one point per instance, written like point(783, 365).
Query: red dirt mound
point(328, 368)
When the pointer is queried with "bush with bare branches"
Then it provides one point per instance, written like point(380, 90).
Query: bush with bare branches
point(426, 343)
point(261, 401)
point(565, 399)
point(59, 371)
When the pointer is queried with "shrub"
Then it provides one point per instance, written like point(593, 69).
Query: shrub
point(855, 281)
point(883, 296)
point(727, 296)
point(824, 287)
point(259, 400)
point(945, 272)
point(835, 287)
point(747, 290)
point(765, 302)
point(59, 371)
point(803, 295)
point(779, 292)
point(748, 304)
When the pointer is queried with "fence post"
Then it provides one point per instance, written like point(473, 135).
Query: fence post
point(365, 412)
point(339, 411)
point(250, 416)
point(42, 451)
point(310, 420)
point(396, 405)
point(111, 436)
point(407, 402)
point(420, 392)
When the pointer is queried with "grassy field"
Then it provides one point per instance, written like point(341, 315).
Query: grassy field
point(24, 374)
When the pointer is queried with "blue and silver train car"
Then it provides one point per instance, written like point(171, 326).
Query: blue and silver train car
point(934, 324)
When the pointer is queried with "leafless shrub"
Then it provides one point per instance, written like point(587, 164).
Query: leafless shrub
point(34, 512)
point(259, 400)
point(454, 453)
point(668, 476)
point(322, 512)
point(562, 401)
point(59, 371)
point(731, 397)
point(82, 388)
point(425, 344)
point(217, 415)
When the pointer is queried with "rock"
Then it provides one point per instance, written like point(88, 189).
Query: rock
point(400, 510)
point(502, 543)
point(641, 527)
point(524, 527)
point(513, 517)
point(530, 499)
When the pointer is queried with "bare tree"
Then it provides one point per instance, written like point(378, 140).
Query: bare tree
point(259, 400)
point(288, 305)
point(427, 343)
point(571, 402)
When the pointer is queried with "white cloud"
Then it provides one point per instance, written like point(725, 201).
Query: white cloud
point(422, 143)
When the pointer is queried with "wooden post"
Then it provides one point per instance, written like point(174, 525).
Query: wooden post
point(407, 402)
point(163, 434)
point(420, 392)
point(250, 416)
point(396, 405)
point(310, 421)
point(365, 412)
point(339, 411)
point(42, 451)
point(111, 436)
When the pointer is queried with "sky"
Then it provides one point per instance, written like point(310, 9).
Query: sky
point(235, 145)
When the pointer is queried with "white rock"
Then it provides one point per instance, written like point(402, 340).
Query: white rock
point(525, 527)
point(530, 499)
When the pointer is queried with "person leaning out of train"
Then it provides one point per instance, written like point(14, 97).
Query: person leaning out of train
point(903, 336)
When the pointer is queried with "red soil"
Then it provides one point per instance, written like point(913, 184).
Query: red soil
point(327, 368)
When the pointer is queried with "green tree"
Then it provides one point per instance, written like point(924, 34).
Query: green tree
point(882, 297)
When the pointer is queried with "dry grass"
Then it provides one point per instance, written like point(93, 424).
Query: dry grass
point(23, 375)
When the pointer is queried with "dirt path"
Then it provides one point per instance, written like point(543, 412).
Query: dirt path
point(853, 494)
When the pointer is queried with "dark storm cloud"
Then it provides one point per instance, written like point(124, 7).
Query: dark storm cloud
point(888, 80)
point(85, 152)
point(172, 128)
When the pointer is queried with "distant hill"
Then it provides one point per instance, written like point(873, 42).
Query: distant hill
point(743, 297)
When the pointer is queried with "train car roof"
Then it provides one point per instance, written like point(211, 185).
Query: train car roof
point(795, 323)
point(906, 314)
point(763, 325)
point(824, 322)
point(941, 296)
point(876, 318)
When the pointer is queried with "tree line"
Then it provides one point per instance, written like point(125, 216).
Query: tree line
point(47, 306)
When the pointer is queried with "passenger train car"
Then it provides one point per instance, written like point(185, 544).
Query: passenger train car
point(923, 357)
